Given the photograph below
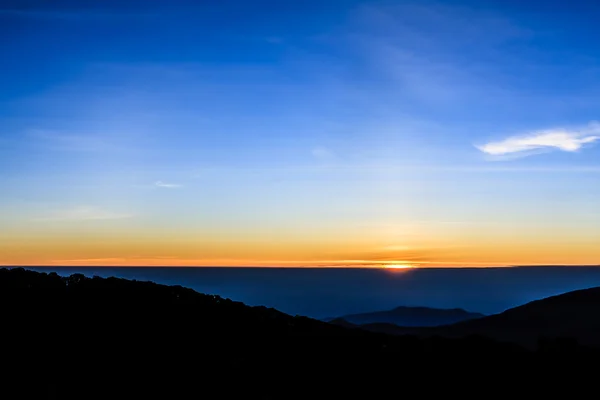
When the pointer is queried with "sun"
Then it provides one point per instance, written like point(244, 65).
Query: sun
point(398, 266)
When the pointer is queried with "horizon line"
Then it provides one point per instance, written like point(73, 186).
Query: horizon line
point(382, 267)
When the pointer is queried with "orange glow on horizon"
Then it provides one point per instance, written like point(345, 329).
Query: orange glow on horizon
point(134, 249)
point(192, 263)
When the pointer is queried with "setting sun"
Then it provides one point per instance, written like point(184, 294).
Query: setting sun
point(399, 266)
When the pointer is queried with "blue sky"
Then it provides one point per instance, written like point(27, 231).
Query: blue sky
point(392, 124)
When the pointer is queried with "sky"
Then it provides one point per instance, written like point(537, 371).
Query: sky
point(299, 133)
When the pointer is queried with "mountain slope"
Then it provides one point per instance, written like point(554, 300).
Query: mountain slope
point(575, 315)
point(412, 316)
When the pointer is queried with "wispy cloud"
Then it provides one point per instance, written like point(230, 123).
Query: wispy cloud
point(438, 55)
point(161, 184)
point(402, 254)
point(83, 213)
point(569, 140)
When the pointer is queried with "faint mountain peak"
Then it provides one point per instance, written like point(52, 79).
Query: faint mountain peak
point(411, 316)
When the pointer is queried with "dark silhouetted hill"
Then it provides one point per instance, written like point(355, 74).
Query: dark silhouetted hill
point(575, 315)
point(412, 316)
point(343, 323)
point(93, 338)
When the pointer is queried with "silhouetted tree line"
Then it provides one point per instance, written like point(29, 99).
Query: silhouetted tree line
point(82, 338)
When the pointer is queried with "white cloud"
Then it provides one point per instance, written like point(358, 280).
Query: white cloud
point(165, 185)
point(84, 213)
point(569, 140)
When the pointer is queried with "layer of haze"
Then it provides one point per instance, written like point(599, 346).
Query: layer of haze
point(308, 133)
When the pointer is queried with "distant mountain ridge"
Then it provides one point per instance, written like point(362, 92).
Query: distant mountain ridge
point(409, 317)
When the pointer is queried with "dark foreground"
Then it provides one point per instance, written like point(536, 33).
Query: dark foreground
point(84, 338)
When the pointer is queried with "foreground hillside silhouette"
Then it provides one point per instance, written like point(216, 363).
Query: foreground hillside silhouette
point(573, 317)
point(76, 337)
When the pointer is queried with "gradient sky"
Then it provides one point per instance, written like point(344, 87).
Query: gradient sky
point(299, 132)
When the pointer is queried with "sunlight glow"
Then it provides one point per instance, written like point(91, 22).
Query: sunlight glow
point(399, 266)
